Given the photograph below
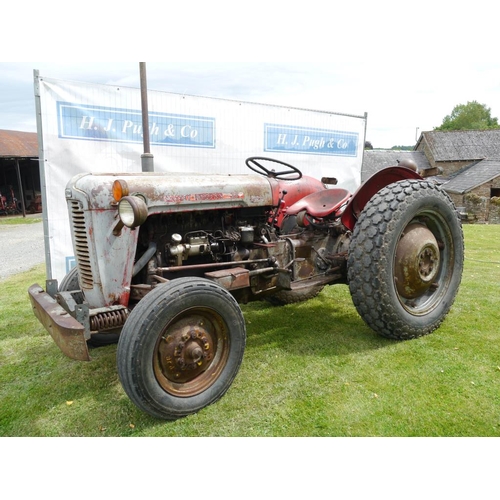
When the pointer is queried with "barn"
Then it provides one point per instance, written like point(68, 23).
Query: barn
point(19, 173)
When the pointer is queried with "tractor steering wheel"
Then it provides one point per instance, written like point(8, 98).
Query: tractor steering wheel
point(291, 173)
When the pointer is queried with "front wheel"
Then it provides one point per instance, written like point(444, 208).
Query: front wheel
point(181, 348)
point(405, 259)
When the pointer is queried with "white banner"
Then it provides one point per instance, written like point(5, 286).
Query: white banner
point(98, 128)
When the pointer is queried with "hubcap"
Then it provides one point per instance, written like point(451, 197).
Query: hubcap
point(417, 261)
point(189, 354)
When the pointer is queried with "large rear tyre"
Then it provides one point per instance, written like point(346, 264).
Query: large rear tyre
point(181, 348)
point(406, 259)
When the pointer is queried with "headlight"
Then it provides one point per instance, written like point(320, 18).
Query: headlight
point(133, 211)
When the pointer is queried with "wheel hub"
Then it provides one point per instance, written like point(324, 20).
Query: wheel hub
point(185, 352)
point(417, 261)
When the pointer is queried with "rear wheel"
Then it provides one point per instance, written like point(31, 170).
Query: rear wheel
point(181, 348)
point(405, 259)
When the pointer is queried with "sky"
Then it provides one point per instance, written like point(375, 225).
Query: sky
point(400, 103)
point(405, 65)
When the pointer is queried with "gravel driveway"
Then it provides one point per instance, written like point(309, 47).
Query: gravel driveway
point(21, 247)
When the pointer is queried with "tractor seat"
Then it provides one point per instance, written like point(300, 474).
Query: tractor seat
point(321, 203)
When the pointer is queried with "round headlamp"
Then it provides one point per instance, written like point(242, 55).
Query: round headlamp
point(133, 211)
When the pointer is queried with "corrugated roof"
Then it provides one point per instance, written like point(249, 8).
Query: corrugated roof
point(473, 176)
point(375, 160)
point(15, 144)
point(463, 145)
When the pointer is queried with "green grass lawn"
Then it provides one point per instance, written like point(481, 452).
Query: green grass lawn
point(312, 369)
point(19, 219)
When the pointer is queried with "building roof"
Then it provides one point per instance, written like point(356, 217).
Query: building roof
point(462, 145)
point(473, 176)
point(15, 144)
point(375, 160)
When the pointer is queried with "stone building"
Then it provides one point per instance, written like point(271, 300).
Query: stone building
point(375, 160)
point(470, 164)
point(451, 151)
point(476, 188)
point(465, 162)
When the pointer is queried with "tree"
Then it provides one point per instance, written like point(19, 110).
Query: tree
point(470, 116)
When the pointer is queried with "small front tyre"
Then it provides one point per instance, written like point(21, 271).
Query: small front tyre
point(181, 348)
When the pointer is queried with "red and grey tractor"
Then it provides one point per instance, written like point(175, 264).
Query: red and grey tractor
point(163, 261)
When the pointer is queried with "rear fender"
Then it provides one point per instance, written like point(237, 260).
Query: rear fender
point(373, 185)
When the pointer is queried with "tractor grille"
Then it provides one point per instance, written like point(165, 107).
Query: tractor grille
point(81, 243)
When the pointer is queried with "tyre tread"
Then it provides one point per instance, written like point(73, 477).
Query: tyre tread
point(368, 255)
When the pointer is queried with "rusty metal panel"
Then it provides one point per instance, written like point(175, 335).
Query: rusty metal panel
point(14, 144)
point(231, 279)
point(178, 192)
point(66, 331)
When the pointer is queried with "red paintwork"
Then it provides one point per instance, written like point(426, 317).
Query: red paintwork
point(372, 186)
point(322, 203)
point(295, 191)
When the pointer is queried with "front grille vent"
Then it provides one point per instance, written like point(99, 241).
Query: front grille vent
point(81, 244)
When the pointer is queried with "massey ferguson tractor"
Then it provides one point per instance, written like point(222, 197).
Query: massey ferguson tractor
point(164, 260)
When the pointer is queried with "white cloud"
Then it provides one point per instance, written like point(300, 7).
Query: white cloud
point(398, 97)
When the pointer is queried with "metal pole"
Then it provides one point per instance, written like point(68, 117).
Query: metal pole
point(43, 179)
point(19, 182)
point(147, 161)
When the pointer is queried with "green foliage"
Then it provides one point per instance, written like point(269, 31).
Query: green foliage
point(474, 198)
point(310, 369)
point(402, 148)
point(470, 116)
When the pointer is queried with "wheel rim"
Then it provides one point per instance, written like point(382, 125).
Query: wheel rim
point(191, 352)
point(423, 263)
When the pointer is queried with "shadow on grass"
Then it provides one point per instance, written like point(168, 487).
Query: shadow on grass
point(327, 325)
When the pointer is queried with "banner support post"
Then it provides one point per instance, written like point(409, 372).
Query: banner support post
point(147, 159)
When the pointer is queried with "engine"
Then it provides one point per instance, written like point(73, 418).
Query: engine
point(196, 238)
point(241, 249)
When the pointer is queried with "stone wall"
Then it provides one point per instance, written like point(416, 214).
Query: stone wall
point(451, 167)
point(478, 205)
point(447, 167)
point(494, 215)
